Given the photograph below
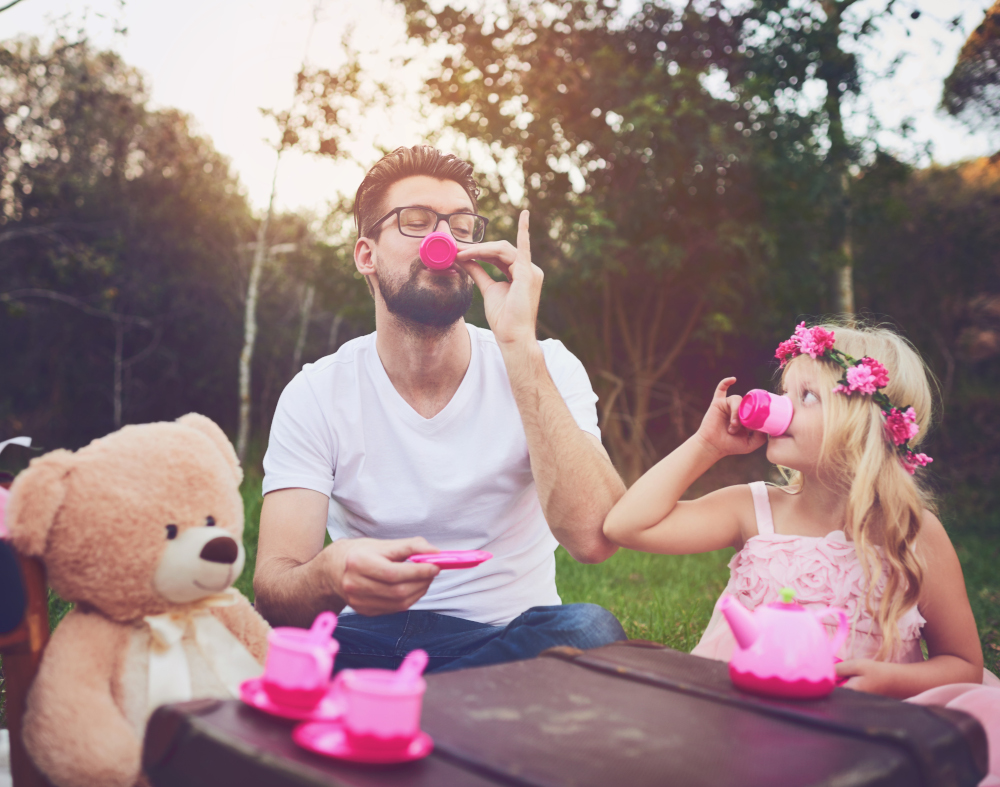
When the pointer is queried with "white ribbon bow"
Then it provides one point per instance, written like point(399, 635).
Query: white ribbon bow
point(169, 673)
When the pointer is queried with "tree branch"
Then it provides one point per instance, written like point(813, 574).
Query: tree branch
point(682, 340)
point(52, 295)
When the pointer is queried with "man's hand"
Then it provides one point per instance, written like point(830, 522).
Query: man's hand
point(511, 306)
point(373, 577)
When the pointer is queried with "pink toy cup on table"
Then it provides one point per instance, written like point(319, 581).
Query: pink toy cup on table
point(766, 412)
point(382, 708)
point(438, 250)
point(299, 663)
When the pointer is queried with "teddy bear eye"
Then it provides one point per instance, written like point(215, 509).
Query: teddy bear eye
point(171, 532)
point(210, 521)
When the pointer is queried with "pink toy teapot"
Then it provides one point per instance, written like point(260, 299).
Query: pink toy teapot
point(783, 649)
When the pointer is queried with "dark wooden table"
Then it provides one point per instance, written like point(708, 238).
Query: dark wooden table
point(619, 715)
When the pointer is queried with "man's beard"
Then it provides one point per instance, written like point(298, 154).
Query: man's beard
point(436, 304)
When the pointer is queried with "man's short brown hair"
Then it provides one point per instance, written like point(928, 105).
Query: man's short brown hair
point(405, 163)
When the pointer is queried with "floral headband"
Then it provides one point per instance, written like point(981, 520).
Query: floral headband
point(866, 376)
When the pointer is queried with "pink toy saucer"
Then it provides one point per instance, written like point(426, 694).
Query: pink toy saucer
point(329, 708)
point(330, 740)
point(455, 558)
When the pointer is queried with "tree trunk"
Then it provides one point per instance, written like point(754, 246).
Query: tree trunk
point(626, 409)
point(305, 313)
point(838, 158)
point(250, 321)
point(117, 397)
point(845, 276)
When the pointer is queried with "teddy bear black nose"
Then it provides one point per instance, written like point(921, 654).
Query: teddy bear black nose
point(220, 550)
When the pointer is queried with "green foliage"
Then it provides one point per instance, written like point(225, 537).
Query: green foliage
point(928, 258)
point(972, 90)
point(130, 217)
point(131, 214)
point(645, 220)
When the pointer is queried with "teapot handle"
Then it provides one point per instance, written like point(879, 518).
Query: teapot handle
point(842, 626)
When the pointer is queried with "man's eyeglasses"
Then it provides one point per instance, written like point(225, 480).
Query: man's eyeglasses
point(420, 222)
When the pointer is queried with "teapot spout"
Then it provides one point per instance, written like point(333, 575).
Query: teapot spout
point(740, 620)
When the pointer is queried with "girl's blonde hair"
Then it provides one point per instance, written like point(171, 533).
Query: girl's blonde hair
point(885, 504)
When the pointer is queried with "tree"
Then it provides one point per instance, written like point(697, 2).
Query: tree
point(311, 124)
point(787, 46)
point(929, 252)
point(972, 90)
point(124, 211)
point(643, 217)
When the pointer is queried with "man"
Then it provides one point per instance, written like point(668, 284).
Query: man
point(433, 434)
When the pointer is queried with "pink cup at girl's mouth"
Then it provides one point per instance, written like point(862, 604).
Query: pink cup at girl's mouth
point(766, 412)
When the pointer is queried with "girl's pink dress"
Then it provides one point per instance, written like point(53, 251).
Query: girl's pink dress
point(826, 572)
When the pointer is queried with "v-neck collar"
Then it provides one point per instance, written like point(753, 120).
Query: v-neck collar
point(387, 391)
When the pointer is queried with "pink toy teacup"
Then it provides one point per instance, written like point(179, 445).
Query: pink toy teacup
point(299, 663)
point(766, 412)
point(438, 250)
point(382, 707)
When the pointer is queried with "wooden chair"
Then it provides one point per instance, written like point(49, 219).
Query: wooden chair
point(22, 653)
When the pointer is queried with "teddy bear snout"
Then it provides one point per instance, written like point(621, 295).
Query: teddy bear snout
point(221, 549)
point(200, 561)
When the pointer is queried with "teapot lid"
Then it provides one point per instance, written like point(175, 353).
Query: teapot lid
point(787, 601)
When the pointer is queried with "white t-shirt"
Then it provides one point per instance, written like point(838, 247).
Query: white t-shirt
point(461, 479)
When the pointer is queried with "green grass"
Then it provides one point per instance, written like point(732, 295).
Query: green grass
point(669, 598)
point(980, 558)
point(664, 598)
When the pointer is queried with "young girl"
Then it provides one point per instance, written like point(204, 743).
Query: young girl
point(853, 528)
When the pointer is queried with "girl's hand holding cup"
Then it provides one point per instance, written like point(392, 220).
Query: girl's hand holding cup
point(721, 430)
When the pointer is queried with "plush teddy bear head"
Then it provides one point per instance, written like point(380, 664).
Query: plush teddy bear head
point(138, 522)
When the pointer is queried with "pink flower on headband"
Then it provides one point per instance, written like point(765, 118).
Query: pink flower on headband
point(878, 371)
point(901, 425)
point(787, 350)
point(813, 341)
point(865, 377)
point(912, 461)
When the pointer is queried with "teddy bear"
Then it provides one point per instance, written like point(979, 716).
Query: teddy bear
point(142, 530)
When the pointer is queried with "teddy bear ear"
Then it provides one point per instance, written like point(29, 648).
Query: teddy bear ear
point(211, 430)
point(36, 496)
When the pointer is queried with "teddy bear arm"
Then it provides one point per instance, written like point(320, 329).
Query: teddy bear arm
point(73, 728)
point(247, 626)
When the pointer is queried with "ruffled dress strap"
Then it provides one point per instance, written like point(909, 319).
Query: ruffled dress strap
point(762, 508)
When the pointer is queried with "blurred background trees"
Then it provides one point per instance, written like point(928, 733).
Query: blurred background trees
point(141, 228)
point(693, 192)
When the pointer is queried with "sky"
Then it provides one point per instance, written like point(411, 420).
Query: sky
point(222, 60)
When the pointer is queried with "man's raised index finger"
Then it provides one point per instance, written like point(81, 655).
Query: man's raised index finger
point(523, 239)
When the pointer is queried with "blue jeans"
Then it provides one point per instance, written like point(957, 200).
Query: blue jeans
point(454, 643)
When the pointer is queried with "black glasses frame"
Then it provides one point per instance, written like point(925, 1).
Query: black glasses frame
point(440, 217)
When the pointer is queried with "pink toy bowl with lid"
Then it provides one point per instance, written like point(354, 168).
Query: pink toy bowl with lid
point(299, 663)
point(766, 412)
point(438, 250)
point(783, 649)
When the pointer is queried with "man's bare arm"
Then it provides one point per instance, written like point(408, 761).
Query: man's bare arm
point(296, 578)
point(577, 484)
